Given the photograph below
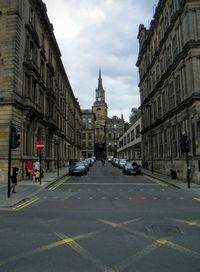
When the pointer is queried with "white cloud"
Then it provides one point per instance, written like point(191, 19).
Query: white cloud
point(95, 34)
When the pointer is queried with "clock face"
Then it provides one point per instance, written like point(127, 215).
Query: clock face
point(98, 98)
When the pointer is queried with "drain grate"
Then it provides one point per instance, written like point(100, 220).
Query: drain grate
point(165, 230)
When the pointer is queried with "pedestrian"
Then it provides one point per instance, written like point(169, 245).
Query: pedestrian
point(29, 168)
point(13, 174)
point(33, 174)
point(103, 161)
point(37, 165)
point(37, 175)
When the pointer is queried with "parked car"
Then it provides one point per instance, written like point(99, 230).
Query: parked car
point(109, 158)
point(131, 169)
point(121, 163)
point(78, 169)
point(115, 162)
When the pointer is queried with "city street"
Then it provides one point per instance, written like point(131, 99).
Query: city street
point(104, 222)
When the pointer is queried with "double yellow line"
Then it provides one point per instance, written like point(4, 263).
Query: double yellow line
point(56, 184)
point(21, 205)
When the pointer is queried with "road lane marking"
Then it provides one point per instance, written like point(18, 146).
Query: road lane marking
point(64, 241)
point(197, 199)
point(25, 204)
point(85, 254)
point(58, 183)
point(139, 255)
point(118, 225)
point(157, 181)
point(188, 222)
point(179, 248)
point(112, 184)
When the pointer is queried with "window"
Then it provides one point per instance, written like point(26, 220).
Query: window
point(174, 141)
point(160, 144)
point(132, 135)
point(138, 131)
point(159, 107)
point(178, 90)
point(171, 96)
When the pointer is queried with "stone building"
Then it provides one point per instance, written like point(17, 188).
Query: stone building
point(169, 64)
point(87, 133)
point(100, 110)
point(99, 131)
point(35, 93)
point(114, 130)
point(130, 143)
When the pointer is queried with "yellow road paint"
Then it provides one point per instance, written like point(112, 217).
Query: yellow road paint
point(157, 181)
point(65, 241)
point(85, 254)
point(179, 248)
point(119, 225)
point(21, 205)
point(58, 183)
point(188, 222)
point(137, 256)
point(25, 204)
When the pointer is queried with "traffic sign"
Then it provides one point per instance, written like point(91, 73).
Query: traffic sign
point(40, 145)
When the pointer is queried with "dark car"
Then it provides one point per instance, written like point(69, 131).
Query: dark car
point(78, 169)
point(131, 169)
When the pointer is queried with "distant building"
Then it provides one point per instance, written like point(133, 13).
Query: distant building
point(114, 130)
point(100, 109)
point(169, 64)
point(104, 131)
point(87, 133)
point(35, 93)
point(130, 143)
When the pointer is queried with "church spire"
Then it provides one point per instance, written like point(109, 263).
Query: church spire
point(100, 86)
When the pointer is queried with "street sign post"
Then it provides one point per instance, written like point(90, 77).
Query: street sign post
point(40, 147)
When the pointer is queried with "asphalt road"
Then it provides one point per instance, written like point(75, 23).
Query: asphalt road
point(103, 222)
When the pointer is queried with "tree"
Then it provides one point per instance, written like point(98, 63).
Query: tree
point(134, 116)
point(126, 126)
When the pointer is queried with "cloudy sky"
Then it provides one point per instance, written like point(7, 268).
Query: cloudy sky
point(94, 34)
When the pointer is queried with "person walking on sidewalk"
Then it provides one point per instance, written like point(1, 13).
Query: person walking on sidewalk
point(13, 174)
point(37, 165)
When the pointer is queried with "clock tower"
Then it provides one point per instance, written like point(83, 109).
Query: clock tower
point(100, 110)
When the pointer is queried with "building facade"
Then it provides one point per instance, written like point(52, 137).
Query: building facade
point(87, 133)
point(100, 134)
point(100, 110)
point(35, 93)
point(114, 130)
point(169, 63)
point(130, 143)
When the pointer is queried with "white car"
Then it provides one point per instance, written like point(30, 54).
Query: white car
point(121, 163)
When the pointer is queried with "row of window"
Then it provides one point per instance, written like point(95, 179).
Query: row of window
point(167, 143)
point(131, 136)
point(45, 83)
point(164, 21)
point(172, 93)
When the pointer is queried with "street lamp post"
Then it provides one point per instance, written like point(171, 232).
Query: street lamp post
point(185, 148)
point(57, 143)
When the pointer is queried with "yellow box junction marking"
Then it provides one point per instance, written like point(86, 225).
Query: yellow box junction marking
point(188, 222)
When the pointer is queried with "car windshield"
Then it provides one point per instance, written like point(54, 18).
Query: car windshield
point(122, 161)
point(129, 164)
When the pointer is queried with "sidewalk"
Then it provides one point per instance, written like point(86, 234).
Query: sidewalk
point(173, 182)
point(28, 188)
